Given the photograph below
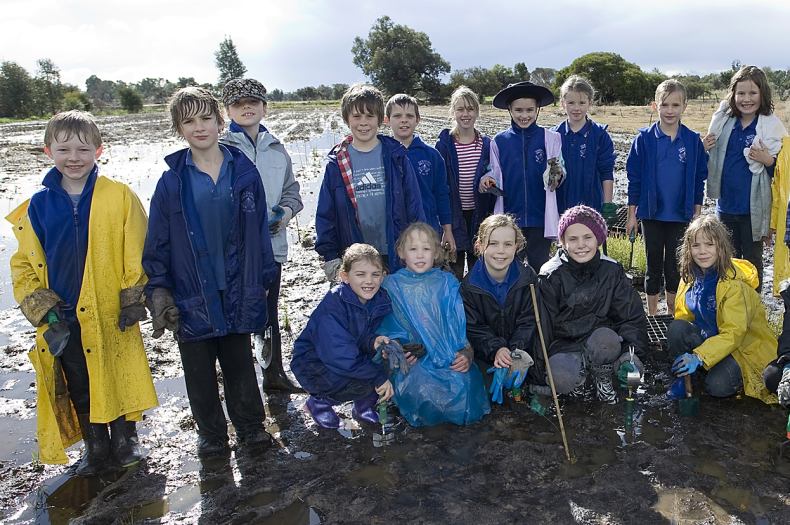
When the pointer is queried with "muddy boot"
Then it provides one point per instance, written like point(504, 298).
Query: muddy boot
point(322, 412)
point(365, 409)
point(274, 378)
point(603, 383)
point(97, 447)
point(123, 442)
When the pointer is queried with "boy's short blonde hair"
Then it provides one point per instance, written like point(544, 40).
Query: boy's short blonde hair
point(363, 98)
point(190, 102)
point(403, 100)
point(668, 87)
point(360, 252)
point(69, 123)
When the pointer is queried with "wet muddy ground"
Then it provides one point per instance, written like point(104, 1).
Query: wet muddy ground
point(720, 467)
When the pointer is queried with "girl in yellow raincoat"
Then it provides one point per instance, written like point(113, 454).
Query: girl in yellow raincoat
point(780, 193)
point(720, 326)
point(79, 279)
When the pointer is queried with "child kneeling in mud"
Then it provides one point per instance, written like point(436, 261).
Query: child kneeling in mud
point(589, 310)
point(720, 327)
point(500, 317)
point(332, 357)
point(444, 385)
point(78, 278)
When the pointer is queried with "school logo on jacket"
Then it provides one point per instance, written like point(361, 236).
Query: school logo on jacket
point(247, 201)
point(682, 154)
point(424, 168)
point(540, 156)
point(583, 151)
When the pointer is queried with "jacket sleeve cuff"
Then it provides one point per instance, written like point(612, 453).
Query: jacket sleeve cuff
point(36, 305)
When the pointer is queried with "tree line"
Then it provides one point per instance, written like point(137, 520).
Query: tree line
point(395, 58)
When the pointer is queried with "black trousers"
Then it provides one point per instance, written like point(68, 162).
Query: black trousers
point(242, 395)
point(662, 239)
point(272, 306)
point(76, 370)
point(740, 227)
point(467, 257)
point(538, 247)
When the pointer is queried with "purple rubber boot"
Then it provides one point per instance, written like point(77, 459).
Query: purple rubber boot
point(322, 412)
point(365, 409)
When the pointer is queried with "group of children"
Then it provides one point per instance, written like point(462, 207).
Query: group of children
point(442, 258)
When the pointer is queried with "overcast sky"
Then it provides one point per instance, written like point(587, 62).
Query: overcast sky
point(289, 44)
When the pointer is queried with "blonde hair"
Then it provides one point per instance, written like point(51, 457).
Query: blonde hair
point(579, 84)
point(756, 75)
point(712, 228)
point(433, 238)
point(70, 123)
point(470, 100)
point(668, 87)
point(193, 101)
point(491, 223)
point(363, 98)
point(360, 252)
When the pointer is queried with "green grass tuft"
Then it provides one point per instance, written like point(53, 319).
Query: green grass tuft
point(619, 248)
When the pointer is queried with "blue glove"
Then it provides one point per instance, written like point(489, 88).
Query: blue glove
point(395, 357)
point(497, 384)
point(686, 364)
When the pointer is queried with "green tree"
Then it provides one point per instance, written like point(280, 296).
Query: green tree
point(615, 78)
point(101, 92)
point(131, 100)
point(398, 59)
point(17, 91)
point(228, 62)
point(49, 91)
point(544, 76)
point(75, 99)
point(520, 72)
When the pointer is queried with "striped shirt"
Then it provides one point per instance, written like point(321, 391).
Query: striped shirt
point(468, 158)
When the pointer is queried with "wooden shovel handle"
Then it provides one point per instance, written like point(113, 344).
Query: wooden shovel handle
point(687, 380)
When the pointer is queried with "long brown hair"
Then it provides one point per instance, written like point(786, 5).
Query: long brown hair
point(711, 227)
point(756, 75)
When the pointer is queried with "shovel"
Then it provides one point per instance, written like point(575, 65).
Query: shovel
point(631, 238)
point(633, 379)
point(690, 405)
point(387, 436)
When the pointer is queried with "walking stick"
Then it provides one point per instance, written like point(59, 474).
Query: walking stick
point(548, 373)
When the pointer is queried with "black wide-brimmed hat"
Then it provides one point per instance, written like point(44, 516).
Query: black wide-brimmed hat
point(525, 89)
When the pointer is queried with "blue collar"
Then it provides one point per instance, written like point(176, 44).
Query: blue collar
point(53, 177)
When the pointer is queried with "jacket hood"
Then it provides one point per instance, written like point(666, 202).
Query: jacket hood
point(746, 272)
point(236, 135)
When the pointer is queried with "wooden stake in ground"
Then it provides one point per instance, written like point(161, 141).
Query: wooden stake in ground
point(548, 373)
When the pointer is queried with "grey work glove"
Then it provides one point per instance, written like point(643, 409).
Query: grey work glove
point(164, 313)
point(36, 305)
point(331, 269)
point(783, 391)
point(132, 307)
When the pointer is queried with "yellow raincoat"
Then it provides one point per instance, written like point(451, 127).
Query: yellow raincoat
point(120, 380)
point(743, 329)
point(780, 191)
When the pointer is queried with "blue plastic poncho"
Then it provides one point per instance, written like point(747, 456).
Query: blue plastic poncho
point(427, 309)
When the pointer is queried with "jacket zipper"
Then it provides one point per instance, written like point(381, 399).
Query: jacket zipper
point(192, 247)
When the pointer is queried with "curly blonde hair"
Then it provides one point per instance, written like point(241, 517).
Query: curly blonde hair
point(491, 223)
point(712, 228)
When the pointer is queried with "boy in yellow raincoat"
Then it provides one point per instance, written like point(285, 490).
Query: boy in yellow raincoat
point(78, 278)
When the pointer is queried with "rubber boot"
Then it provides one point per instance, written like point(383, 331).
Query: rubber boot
point(124, 445)
point(603, 383)
point(322, 412)
point(274, 378)
point(97, 447)
point(365, 409)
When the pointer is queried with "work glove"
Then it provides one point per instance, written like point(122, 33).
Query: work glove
point(395, 357)
point(686, 364)
point(554, 174)
point(783, 391)
point(415, 349)
point(132, 307)
point(624, 365)
point(164, 313)
point(279, 218)
point(609, 212)
point(331, 268)
point(37, 305)
point(498, 383)
point(517, 373)
point(58, 333)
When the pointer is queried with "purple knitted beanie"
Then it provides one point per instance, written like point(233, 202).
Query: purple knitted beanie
point(582, 214)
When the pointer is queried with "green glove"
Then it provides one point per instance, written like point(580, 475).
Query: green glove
point(622, 373)
point(609, 211)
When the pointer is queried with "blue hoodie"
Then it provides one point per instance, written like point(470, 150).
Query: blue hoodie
point(484, 203)
point(589, 160)
point(336, 346)
point(643, 178)
point(522, 157)
point(175, 255)
point(432, 176)
point(336, 221)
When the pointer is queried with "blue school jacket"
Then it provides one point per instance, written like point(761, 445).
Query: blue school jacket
point(336, 346)
point(432, 177)
point(522, 157)
point(175, 255)
point(643, 179)
point(336, 221)
point(484, 203)
point(589, 160)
